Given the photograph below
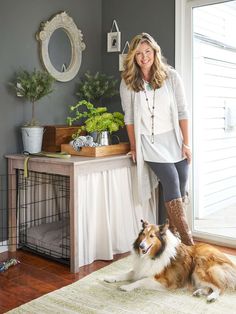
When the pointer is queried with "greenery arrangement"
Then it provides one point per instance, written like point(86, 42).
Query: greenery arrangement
point(93, 88)
point(32, 86)
point(96, 119)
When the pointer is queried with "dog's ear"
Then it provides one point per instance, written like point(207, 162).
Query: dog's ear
point(144, 223)
point(164, 227)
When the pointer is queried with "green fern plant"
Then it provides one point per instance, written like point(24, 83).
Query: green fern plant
point(32, 86)
point(95, 119)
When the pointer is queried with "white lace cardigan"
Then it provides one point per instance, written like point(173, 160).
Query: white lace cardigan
point(131, 102)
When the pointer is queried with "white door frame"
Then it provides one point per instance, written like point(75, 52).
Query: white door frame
point(183, 64)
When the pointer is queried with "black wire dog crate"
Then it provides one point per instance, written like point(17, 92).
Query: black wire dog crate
point(42, 210)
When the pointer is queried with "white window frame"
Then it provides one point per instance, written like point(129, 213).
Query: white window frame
point(183, 64)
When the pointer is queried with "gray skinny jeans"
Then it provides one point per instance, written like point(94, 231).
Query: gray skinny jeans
point(173, 177)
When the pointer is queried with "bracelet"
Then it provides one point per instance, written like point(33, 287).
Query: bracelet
point(186, 146)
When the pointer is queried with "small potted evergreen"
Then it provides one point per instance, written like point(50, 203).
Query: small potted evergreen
point(32, 86)
point(95, 88)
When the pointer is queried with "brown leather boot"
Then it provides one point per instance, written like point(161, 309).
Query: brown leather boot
point(176, 212)
point(172, 227)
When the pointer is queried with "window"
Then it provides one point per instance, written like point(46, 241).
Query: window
point(206, 58)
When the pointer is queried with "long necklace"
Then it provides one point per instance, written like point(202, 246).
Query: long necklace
point(152, 111)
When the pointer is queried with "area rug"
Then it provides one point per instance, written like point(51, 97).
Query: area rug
point(92, 295)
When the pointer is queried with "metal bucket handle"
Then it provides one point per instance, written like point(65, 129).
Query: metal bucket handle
point(115, 136)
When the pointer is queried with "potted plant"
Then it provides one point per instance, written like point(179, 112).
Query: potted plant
point(97, 120)
point(32, 86)
point(94, 88)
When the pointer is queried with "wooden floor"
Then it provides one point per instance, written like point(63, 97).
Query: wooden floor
point(35, 276)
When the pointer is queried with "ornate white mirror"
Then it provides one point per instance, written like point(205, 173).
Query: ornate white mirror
point(60, 38)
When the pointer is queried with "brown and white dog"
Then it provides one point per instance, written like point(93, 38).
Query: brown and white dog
point(162, 262)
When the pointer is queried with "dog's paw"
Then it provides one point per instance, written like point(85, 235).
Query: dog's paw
point(212, 297)
point(109, 279)
point(197, 293)
point(201, 291)
point(126, 288)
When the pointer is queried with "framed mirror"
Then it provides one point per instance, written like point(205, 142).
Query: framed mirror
point(60, 38)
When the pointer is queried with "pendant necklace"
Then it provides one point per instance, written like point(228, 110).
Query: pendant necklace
point(152, 111)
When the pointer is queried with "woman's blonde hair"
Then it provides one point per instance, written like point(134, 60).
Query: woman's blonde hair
point(132, 73)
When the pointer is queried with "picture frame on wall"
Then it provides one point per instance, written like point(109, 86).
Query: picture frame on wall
point(114, 38)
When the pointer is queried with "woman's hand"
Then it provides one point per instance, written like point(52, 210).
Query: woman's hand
point(186, 152)
point(132, 153)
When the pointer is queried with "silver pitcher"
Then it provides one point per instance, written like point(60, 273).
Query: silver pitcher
point(104, 138)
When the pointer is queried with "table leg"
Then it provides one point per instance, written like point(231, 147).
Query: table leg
point(74, 251)
point(12, 201)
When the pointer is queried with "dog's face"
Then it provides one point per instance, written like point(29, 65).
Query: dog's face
point(151, 240)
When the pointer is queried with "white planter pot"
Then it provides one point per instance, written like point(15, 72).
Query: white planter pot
point(32, 138)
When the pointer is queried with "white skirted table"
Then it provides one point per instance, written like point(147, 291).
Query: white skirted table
point(104, 212)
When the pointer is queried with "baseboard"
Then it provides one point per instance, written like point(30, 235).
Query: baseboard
point(3, 247)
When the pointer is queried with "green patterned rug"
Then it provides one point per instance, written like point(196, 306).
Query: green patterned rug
point(91, 295)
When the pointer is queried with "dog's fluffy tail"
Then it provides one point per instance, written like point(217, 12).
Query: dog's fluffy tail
point(226, 275)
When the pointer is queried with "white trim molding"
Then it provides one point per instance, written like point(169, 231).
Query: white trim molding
point(3, 247)
point(179, 33)
point(183, 44)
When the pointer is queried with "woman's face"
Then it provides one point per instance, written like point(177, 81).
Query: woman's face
point(144, 56)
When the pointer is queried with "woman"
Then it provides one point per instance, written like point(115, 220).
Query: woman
point(156, 118)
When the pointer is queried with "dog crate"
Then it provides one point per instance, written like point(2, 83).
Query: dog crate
point(42, 215)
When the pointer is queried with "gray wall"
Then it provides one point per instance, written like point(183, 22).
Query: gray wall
point(156, 17)
point(19, 21)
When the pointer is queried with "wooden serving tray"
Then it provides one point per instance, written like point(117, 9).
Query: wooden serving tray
point(99, 151)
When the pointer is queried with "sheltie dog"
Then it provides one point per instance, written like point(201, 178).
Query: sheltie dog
point(162, 262)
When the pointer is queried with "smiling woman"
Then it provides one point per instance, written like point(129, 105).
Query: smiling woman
point(156, 117)
point(145, 57)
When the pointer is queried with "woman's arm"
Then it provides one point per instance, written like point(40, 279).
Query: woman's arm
point(131, 135)
point(185, 132)
point(186, 151)
point(127, 105)
point(179, 94)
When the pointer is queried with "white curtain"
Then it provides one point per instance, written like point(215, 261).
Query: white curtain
point(108, 213)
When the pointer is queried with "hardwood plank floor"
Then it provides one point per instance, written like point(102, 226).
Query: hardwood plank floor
point(36, 276)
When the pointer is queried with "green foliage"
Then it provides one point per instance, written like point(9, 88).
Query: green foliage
point(96, 119)
point(95, 87)
point(32, 86)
